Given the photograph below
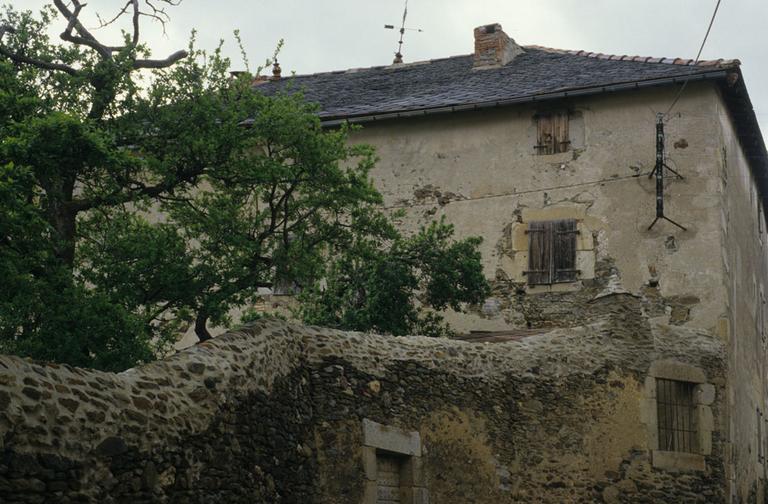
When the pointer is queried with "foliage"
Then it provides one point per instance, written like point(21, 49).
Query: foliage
point(252, 315)
point(130, 213)
point(372, 286)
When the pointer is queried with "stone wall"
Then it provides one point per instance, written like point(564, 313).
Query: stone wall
point(275, 413)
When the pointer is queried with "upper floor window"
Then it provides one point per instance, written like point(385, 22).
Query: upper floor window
point(552, 252)
point(552, 135)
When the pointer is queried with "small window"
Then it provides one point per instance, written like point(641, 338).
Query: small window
point(552, 132)
point(552, 252)
point(676, 415)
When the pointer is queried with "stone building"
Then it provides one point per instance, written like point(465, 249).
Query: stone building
point(546, 154)
point(614, 362)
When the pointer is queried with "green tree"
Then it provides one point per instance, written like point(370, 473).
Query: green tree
point(130, 211)
point(397, 285)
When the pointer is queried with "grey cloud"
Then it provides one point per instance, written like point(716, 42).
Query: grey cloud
point(323, 35)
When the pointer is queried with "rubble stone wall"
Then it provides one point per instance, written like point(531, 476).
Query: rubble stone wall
point(274, 413)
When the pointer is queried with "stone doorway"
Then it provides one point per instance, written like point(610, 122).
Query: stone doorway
point(388, 478)
point(392, 464)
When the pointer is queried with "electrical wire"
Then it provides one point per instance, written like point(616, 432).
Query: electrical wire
point(701, 48)
point(524, 192)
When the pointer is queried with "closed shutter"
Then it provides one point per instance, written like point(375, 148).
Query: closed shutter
point(546, 135)
point(564, 267)
point(560, 126)
point(552, 252)
point(552, 132)
point(540, 252)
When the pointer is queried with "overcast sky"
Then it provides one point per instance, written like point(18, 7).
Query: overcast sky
point(323, 35)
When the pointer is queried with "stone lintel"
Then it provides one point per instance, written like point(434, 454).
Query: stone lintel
point(391, 439)
point(673, 370)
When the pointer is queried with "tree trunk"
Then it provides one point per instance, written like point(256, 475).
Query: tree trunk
point(65, 224)
point(200, 327)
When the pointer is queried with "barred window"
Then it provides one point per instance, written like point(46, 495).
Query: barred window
point(552, 132)
point(552, 252)
point(676, 415)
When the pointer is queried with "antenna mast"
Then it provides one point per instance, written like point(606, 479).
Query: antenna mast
point(658, 170)
point(399, 53)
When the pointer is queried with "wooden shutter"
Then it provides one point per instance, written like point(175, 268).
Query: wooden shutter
point(552, 252)
point(540, 253)
point(562, 142)
point(546, 134)
point(564, 263)
point(552, 132)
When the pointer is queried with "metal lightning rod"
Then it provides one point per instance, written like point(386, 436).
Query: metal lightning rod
point(399, 53)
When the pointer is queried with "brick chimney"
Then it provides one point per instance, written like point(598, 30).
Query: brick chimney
point(493, 47)
point(276, 71)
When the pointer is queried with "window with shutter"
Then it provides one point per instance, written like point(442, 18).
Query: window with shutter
point(552, 252)
point(552, 132)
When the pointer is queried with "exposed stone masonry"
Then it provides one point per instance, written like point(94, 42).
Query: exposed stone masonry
point(273, 413)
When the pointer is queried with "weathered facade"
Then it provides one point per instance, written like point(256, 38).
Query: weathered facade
point(628, 363)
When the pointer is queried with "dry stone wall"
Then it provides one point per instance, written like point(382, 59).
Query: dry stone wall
point(274, 413)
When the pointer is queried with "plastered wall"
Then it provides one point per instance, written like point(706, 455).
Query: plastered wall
point(479, 170)
point(745, 256)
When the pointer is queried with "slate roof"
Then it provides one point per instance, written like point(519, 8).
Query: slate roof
point(451, 82)
point(539, 74)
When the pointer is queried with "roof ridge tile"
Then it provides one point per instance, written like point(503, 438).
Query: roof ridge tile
point(573, 52)
point(643, 59)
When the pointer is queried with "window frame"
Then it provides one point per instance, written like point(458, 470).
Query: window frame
point(705, 395)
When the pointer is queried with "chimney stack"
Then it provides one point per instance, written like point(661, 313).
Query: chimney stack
point(276, 71)
point(493, 47)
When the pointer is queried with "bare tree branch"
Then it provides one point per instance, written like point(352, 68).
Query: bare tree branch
point(20, 58)
point(170, 60)
point(157, 13)
point(122, 11)
point(136, 14)
point(83, 37)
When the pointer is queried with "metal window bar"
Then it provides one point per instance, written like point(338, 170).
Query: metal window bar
point(765, 443)
point(760, 454)
point(676, 415)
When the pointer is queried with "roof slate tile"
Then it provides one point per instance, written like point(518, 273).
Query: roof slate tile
point(451, 81)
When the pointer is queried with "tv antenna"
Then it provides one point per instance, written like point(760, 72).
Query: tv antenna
point(399, 53)
point(658, 170)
